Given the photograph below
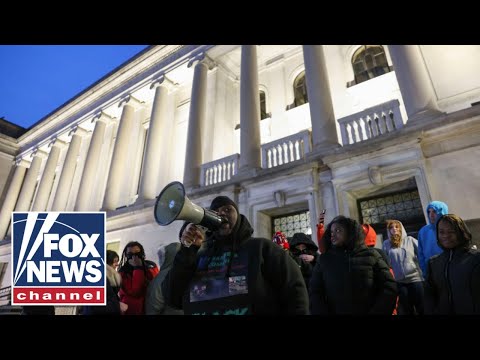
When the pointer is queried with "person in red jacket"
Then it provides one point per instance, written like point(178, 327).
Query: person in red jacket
point(136, 274)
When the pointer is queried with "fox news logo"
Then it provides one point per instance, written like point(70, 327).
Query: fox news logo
point(58, 258)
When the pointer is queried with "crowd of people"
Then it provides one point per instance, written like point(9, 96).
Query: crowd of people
point(228, 271)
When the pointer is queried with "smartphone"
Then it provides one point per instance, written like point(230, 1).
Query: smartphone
point(324, 211)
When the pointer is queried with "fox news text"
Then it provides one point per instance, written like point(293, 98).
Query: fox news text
point(58, 258)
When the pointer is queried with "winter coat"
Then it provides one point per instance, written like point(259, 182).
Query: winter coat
point(453, 283)
point(311, 249)
point(235, 276)
point(352, 279)
point(427, 237)
point(134, 286)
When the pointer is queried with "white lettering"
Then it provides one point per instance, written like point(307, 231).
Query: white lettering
point(73, 270)
point(95, 274)
point(90, 245)
point(51, 272)
point(76, 247)
point(48, 245)
point(60, 296)
point(38, 271)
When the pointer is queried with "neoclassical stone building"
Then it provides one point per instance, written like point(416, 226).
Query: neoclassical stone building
point(369, 131)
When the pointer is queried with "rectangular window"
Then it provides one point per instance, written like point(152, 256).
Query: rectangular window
point(292, 223)
point(404, 206)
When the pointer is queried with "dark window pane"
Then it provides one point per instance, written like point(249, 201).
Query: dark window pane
point(369, 61)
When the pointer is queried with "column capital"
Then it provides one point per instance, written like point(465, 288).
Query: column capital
point(102, 116)
point(162, 79)
point(40, 153)
point(21, 162)
point(56, 142)
point(130, 100)
point(78, 131)
point(204, 59)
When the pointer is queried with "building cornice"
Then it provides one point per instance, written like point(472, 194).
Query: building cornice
point(133, 76)
point(8, 145)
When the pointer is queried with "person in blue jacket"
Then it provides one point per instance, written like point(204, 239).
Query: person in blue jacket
point(427, 236)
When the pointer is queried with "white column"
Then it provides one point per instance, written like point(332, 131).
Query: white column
point(12, 196)
point(324, 128)
point(91, 163)
point(196, 120)
point(119, 165)
point(68, 170)
point(415, 84)
point(250, 141)
point(329, 201)
point(151, 163)
point(28, 187)
point(46, 182)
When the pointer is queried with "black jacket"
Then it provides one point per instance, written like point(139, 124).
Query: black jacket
point(352, 282)
point(453, 283)
point(243, 275)
point(311, 249)
point(352, 279)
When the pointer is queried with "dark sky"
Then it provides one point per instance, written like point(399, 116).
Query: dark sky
point(36, 79)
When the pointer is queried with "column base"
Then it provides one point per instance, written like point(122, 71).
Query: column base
point(248, 172)
point(320, 150)
point(424, 117)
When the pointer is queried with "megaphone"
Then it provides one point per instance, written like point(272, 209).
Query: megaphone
point(172, 204)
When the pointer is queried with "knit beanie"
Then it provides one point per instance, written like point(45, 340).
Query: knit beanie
point(220, 201)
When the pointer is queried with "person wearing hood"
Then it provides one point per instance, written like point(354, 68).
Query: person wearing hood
point(453, 281)
point(233, 273)
point(427, 236)
point(154, 300)
point(350, 278)
point(305, 253)
point(402, 251)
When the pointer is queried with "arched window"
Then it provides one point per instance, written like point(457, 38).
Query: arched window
point(263, 106)
point(299, 91)
point(369, 61)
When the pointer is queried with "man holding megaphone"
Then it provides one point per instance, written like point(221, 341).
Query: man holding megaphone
point(228, 272)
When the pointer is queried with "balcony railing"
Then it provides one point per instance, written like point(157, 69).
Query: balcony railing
point(372, 122)
point(219, 170)
point(286, 150)
point(5, 295)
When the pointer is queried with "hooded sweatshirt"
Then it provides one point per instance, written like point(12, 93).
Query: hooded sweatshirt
point(311, 249)
point(237, 275)
point(404, 258)
point(427, 238)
